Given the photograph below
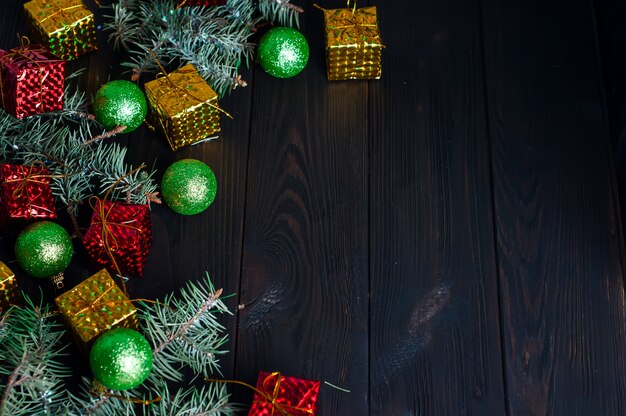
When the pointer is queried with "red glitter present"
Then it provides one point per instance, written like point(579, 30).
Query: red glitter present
point(119, 236)
point(278, 395)
point(32, 81)
point(25, 193)
point(201, 3)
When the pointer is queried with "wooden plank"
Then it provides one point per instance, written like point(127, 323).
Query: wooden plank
point(434, 330)
point(304, 272)
point(558, 236)
point(610, 22)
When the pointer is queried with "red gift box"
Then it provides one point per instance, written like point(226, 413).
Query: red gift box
point(119, 236)
point(278, 395)
point(201, 3)
point(32, 81)
point(25, 193)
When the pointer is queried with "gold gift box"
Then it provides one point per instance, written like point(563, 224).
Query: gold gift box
point(95, 306)
point(9, 289)
point(183, 107)
point(65, 27)
point(353, 44)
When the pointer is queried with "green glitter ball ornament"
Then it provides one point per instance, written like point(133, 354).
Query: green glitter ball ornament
point(44, 249)
point(283, 52)
point(120, 103)
point(189, 186)
point(121, 359)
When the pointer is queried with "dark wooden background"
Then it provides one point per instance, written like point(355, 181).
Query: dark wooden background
point(444, 241)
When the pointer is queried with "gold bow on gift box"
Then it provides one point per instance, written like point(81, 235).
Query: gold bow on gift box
point(66, 27)
point(353, 44)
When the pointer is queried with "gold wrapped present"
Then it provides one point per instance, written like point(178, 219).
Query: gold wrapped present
point(66, 27)
point(353, 45)
point(9, 289)
point(183, 107)
point(95, 306)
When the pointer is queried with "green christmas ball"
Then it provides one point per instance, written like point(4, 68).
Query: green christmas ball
point(120, 103)
point(121, 359)
point(283, 52)
point(44, 249)
point(189, 186)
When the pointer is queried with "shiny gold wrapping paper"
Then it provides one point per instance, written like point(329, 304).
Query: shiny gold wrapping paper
point(95, 306)
point(183, 107)
point(9, 289)
point(65, 27)
point(353, 44)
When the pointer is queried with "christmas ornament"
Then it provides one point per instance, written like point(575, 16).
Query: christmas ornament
point(120, 103)
point(119, 236)
point(189, 186)
point(278, 394)
point(353, 45)
point(121, 359)
point(44, 249)
point(66, 27)
point(283, 52)
point(32, 81)
point(95, 306)
point(25, 193)
point(183, 107)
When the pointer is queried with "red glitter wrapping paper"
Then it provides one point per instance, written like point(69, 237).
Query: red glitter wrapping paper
point(119, 236)
point(32, 81)
point(284, 395)
point(25, 193)
point(201, 3)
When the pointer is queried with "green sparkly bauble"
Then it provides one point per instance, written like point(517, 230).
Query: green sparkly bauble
point(44, 249)
point(120, 103)
point(283, 52)
point(189, 186)
point(121, 359)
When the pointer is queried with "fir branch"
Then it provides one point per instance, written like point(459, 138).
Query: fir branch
point(213, 39)
point(29, 360)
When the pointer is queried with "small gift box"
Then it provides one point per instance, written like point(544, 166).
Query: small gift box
point(32, 81)
point(66, 27)
point(353, 44)
point(201, 3)
point(183, 107)
point(9, 289)
point(95, 306)
point(119, 236)
point(25, 193)
point(278, 394)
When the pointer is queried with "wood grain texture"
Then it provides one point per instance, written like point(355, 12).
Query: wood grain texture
point(434, 331)
point(558, 240)
point(304, 274)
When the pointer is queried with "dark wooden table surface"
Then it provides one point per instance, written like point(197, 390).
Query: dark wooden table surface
point(444, 241)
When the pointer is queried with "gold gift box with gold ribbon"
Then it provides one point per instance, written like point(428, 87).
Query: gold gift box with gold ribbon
point(95, 306)
point(65, 27)
point(9, 289)
point(353, 44)
point(183, 107)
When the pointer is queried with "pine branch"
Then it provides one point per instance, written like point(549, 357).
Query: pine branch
point(214, 39)
point(29, 360)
